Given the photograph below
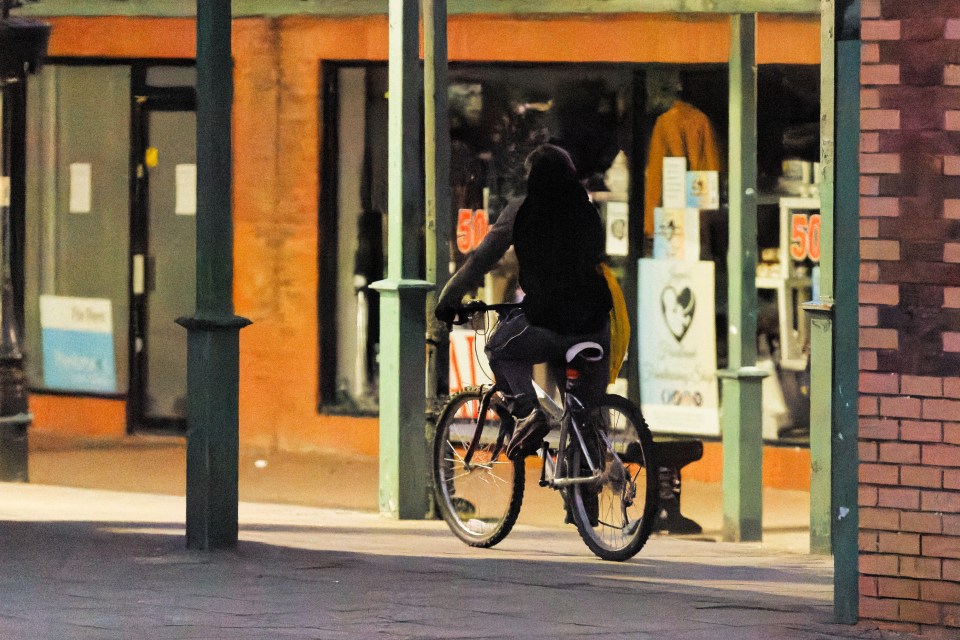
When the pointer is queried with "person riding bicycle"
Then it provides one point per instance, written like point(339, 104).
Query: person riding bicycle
point(559, 242)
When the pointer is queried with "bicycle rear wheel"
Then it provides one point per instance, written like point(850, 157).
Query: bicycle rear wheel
point(615, 514)
point(479, 500)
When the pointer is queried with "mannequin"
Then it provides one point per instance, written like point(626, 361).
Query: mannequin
point(681, 130)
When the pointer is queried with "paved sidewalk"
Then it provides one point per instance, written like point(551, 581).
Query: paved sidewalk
point(93, 564)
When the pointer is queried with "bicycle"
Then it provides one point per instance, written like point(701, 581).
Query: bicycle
point(611, 498)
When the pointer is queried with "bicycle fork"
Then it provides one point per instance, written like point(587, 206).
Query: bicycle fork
point(478, 432)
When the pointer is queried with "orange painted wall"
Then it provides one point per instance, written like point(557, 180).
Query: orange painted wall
point(78, 415)
point(276, 158)
point(783, 467)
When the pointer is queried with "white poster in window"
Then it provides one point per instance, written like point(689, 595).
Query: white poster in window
point(677, 345)
point(618, 243)
point(81, 187)
point(676, 234)
point(186, 181)
point(4, 191)
point(674, 183)
point(703, 190)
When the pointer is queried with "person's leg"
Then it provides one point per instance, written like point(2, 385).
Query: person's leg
point(512, 350)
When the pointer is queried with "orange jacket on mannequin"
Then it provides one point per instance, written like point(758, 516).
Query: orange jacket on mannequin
point(682, 131)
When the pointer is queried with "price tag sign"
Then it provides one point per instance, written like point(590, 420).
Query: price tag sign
point(805, 236)
point(472, 227)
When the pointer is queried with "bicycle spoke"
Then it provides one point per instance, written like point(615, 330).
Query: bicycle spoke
point(615, 521)
point(480, 500)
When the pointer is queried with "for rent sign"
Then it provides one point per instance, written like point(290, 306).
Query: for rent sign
point(77, 344)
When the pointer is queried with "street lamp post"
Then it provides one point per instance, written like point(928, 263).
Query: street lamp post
point(23, 45)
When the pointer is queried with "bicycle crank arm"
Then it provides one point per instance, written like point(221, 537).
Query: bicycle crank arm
point(631, 527)
point(566, 482)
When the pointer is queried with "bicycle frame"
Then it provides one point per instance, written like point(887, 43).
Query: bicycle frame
point(569, 422)
point(568, 419)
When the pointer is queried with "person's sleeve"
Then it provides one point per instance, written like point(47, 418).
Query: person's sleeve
point(707, 156)
point(711, 148)
point(653, 182)
point(483, 259)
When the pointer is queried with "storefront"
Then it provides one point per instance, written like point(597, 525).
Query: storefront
point(302, 193)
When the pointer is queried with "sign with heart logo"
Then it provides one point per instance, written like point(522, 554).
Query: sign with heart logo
point(677, 309)
point(677, 347)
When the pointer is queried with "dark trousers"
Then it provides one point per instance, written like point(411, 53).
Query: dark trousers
point(516, 345)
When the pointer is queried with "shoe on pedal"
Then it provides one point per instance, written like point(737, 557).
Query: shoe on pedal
point(528, 435)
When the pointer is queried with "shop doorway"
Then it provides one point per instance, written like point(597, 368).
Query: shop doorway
point(109, 256)
point(163, 245)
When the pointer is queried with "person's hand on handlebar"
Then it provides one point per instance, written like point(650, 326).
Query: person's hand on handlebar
point(445, 314)
point(458, 314)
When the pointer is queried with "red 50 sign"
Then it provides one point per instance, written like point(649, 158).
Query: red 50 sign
point(805, 236)
point(472, 226)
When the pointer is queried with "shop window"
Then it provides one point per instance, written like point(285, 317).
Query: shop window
point(498, 114)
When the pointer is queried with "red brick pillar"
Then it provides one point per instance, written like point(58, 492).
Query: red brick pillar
point(910, 316)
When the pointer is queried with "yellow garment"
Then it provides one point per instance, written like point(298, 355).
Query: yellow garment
point(619, 324)
point(683, 131)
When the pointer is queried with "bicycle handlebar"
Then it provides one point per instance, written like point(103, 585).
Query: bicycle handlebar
point(466, 311)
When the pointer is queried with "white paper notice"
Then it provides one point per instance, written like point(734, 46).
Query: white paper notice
point(81, 187)
point(4, 191)
point(186, 190)
point(676, 234)
point(674, 183)
point(617, 241)
point(703, 190)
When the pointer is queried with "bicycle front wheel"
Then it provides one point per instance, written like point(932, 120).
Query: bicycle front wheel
point(479, 498)
point(614, 515)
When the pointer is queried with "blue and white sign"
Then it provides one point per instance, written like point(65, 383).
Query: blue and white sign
point(78, 344)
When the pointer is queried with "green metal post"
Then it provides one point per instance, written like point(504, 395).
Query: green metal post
point(437, 178)
point(741, 383)
point(14, 416)
point(846, 346)
point(213, 340)
point(404, 458)
point(834, 518)
point(821, 310)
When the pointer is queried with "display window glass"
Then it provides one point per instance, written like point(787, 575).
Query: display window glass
point(605, 115)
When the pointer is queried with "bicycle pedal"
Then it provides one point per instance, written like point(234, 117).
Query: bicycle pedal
point(631, 527)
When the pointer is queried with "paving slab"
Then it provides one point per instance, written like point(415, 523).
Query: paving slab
point(86, 563)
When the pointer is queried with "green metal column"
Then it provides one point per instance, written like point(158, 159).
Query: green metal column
point(846, 345)
point(436, 149)
point(821, 310)
point(213, 340)
point(834, 518)
point(404, 457)
point(741, 396)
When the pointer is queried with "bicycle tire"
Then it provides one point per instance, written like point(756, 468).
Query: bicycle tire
point(620, 527)
point(480, 504)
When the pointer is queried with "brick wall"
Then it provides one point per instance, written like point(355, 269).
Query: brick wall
point(910, 316)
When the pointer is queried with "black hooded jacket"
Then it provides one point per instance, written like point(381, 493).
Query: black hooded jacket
point(559, 242)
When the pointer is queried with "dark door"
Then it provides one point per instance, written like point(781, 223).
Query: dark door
point(163, 250)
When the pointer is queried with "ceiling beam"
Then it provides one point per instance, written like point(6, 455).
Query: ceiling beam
point(249, 8)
